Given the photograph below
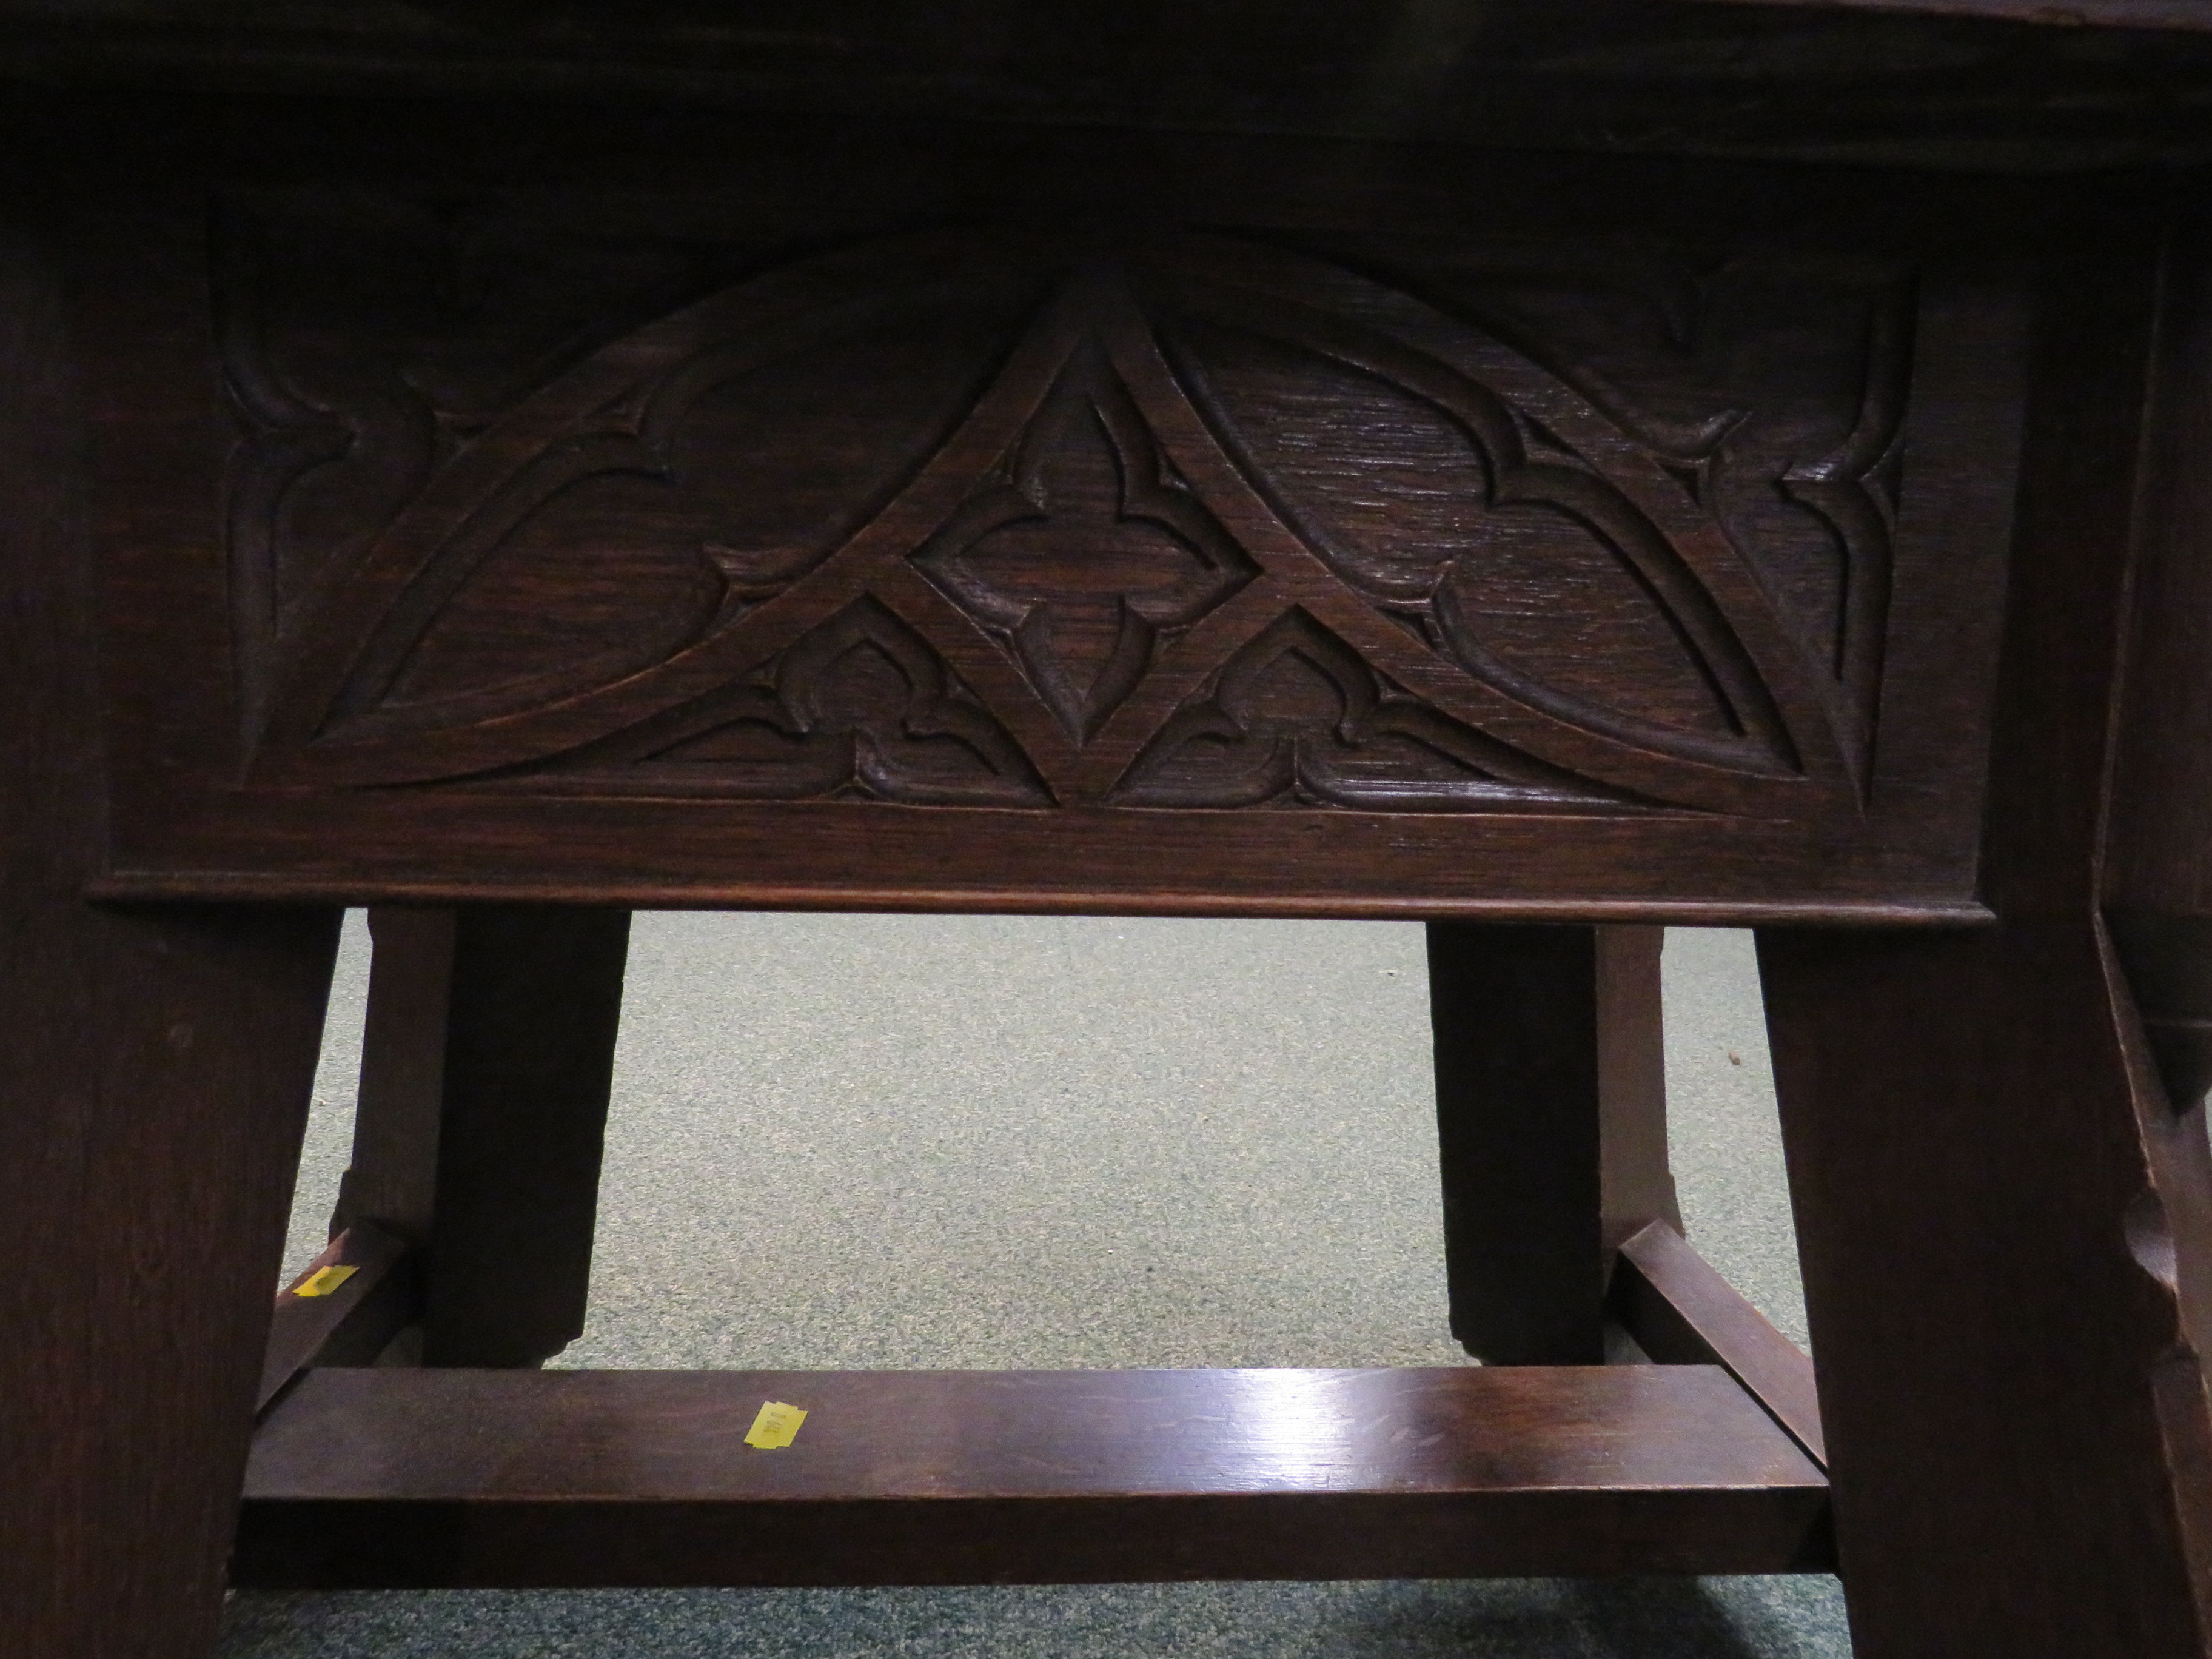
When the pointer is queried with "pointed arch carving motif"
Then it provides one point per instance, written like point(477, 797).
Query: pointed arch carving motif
point(1088, 504)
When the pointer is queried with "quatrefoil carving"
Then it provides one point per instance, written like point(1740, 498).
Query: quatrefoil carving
point(1115, 473)
point(1087, 549)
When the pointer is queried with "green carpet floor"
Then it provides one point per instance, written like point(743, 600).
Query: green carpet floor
point(849, 1141)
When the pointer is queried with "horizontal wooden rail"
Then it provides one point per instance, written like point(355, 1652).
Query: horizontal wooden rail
point(389, 1478)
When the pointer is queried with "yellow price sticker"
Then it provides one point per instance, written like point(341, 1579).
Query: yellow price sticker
point(775, 1427)
point(324, 1280)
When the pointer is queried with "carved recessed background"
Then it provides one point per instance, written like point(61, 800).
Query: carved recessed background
point(989, 519)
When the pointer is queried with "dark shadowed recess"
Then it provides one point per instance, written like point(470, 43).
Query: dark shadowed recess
point(1954, 83)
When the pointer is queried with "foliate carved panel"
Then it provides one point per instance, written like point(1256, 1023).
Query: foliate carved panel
point(983, 518)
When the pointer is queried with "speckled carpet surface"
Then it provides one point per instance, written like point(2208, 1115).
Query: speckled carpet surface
point(860, 1141)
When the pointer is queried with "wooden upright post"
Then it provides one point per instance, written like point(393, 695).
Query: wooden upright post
point(2004, 1240)
point(485, 1067)
point(153, 1087)
point(1552, 1127)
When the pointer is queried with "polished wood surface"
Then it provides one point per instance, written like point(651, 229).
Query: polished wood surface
point(386, 1477)
point(1509, 567)
point(1975, 1134)
point(1681, 1312)
point(1636, 1183)
point(1505, 468)
point(155, 1075)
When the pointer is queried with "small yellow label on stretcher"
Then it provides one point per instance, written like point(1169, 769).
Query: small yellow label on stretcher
point(775, 1427)
point(324, 1280)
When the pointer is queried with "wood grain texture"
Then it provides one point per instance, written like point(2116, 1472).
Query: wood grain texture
point(156, 1076)
point(1118, 442)
point(383, 1476)
point(1682, 1312)
point(2014, 1405)
point(1296, 547)
point(662, 505)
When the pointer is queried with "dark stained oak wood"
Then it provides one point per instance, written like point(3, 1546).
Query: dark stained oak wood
point(1681, 1312)
point(678, 848)
point(373, 1477)
point(2016, 1437)
point(2157, 901)
point(1965, 83)
point(155, 1077)
point(391, 1179)
point(1552, 1130)
point(348, 1326)
point(1513, 1011)
point(530, 1058)
point(486, 1062)
point(828, 659)
point(2064, 13)
point(1636, 1184)
point(2157, 896)
point(1082, 461)
point(1998, 1262)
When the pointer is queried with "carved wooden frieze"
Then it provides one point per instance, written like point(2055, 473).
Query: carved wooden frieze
point(1002, 518)
point(1091, 527)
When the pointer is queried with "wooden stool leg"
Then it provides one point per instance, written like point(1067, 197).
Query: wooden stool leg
point(154, 1084)
point(156, 1073)
point(1636, 1184)
point(2005, 1224)
point(485, 1068)
point(1551, 1121)
point(2016, 1427)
